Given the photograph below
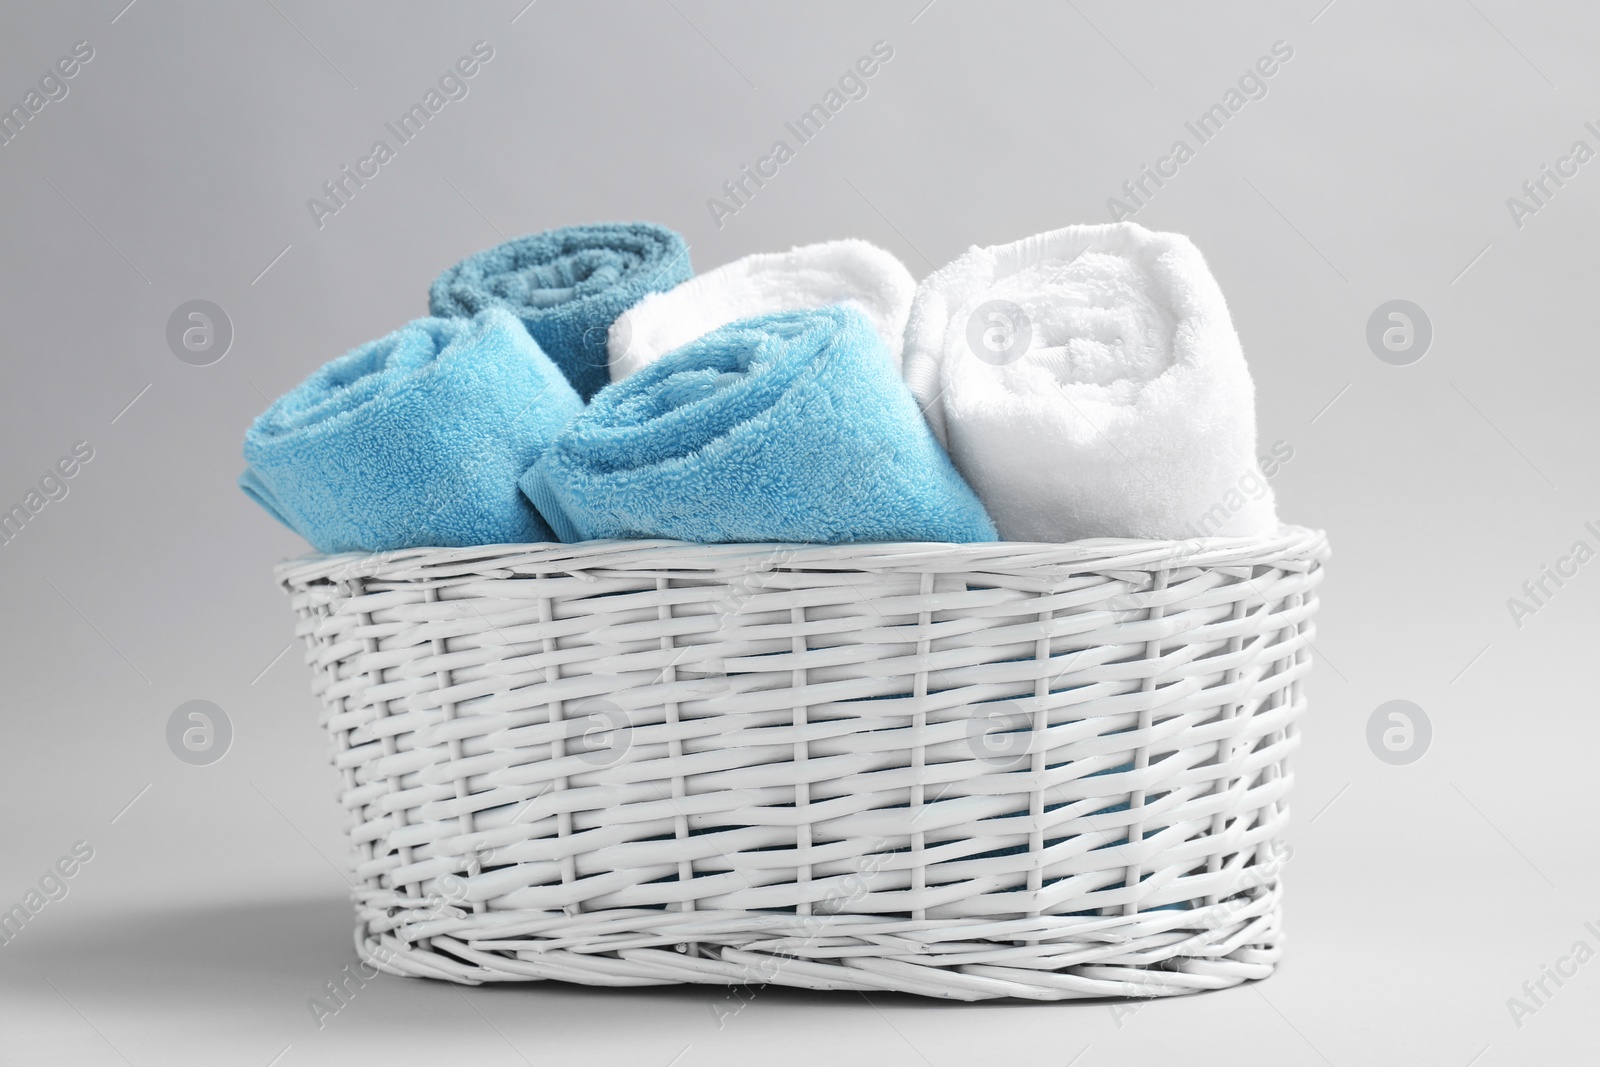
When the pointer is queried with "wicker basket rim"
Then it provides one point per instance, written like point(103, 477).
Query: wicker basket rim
point(1289, 544)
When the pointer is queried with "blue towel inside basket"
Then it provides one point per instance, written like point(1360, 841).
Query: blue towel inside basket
point(567, 286)
point(790, 427)
point(414, 439)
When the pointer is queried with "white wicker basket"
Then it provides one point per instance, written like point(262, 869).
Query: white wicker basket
point(971, 771)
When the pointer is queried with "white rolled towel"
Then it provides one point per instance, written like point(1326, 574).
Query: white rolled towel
point(851, 272)
point(1088, 382)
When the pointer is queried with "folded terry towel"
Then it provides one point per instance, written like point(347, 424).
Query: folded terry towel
point(792, 427)
point(567, 286)
point(415, 439)
point(1089, 383)
point(851, 272)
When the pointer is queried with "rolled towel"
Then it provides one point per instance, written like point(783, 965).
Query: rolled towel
point(567, 286)
point(851, 272)
point(792, 427)
point(414, 439)
point(1089, 383)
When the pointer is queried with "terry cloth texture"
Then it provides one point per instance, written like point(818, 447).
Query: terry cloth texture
point(416, 439)
point(850, 272)
point(1088, 382)
point(792, 427)
point(567, 286)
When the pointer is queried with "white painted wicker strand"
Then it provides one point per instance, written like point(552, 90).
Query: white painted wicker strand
point(971, 771)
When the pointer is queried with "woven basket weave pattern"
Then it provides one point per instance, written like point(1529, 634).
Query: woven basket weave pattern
point(969, 771)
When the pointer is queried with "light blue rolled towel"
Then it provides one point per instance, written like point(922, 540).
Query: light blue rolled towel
point(790, 427)
point(567, 286)
point(416, 439)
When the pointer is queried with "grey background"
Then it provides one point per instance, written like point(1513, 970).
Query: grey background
point(1420, 897)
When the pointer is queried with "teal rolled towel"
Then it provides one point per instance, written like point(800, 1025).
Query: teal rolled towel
point(790, 427)
point(416, 439)
point(567, 286)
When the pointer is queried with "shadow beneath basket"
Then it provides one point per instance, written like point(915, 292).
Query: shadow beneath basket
point(175, 985)
point(258, 965)
point(206, 952)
